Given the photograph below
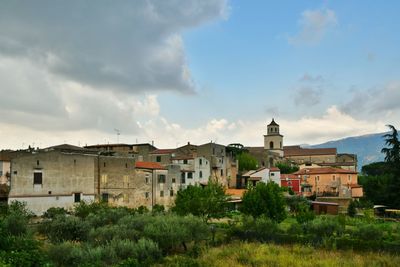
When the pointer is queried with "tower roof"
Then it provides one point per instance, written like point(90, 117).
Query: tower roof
point(273, 123)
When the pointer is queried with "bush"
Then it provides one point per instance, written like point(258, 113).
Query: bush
point(323, 227)
point(351, 209)
point(172, 231)
point(304, 213)
point(53, 212)
point(63, 228)
point(369, 232)
point(158, 208)
point(15, 224)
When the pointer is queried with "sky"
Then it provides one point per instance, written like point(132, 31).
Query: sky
point(179, 71)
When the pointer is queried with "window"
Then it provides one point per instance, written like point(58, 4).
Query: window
point(147, 194)
point(222, 172)
point(37, 178)
point(190, 175)
point(333, 178)
point(317, 178)
point(74, 161)
point(173, 180)
point(271, 145)
point(125, 198)
point(280, 143)
point(147, 180)
point(161, 193)
point(15, 172)
point(126, 165)
point(183, 180)
point(200, 161)
point(171, 193)
point(161, 178)
point(37, 162)
point(200, 174)
point(272, 174)
point(104, 179)
point(126, 181)
point(158, 158)
point(349, 178)
point(104, 197)
point(213, 150)
point(77, 197)
point(104, 164)
point(185, 161)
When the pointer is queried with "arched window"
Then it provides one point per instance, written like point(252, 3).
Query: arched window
point(271, 145)
point(201, 174)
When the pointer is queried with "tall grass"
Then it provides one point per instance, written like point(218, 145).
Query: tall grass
point(256, 254)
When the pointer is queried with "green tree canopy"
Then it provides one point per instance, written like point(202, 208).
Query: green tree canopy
point(287, 168)
point(247, 162)
point(265, 199)
point(206, 202)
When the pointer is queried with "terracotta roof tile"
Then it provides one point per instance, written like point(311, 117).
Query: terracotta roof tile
point(235, 192)
point(149, 165)
point(327, 170)
point(288, 152)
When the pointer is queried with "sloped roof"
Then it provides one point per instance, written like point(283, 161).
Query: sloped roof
point(288, 152)
point(235, 192)
point(327, 170)
point(149, 165)
point(273, 123)
point(289, 176)
point(274, 169)
point(162, 151)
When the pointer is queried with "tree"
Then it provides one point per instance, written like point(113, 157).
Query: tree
point(246, 162)
point(392, 152)
point(206, 202)
point(351, 209)
point(286, 168)
point(265, 199)
point(392, 157)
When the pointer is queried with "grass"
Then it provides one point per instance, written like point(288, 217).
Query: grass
point(256, 254)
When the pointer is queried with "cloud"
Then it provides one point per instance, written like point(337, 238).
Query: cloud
point(127, 45)
point(310, 78)
point(375, 103)
point(308, 96)
point(80, 65)
point(313, 26)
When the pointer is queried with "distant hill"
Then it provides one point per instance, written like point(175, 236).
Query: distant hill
point(367, 147)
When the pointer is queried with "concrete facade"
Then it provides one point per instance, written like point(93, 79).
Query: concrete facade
point(53, 179)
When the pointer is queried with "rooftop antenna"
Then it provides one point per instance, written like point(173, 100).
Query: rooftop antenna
point(118, 134)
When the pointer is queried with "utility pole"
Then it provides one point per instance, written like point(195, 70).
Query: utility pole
point(118, 134)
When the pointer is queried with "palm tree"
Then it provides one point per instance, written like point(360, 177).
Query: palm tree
point(392, 152)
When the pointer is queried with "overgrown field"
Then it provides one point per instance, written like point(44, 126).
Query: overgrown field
point(256, 254)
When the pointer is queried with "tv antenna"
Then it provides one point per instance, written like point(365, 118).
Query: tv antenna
point(118, 134)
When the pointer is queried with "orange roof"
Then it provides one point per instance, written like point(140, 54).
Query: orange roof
point(149, 165)
point(235, 192)
point(327, 170)
point(274, 169)
point(162, 151)
point(308, 151)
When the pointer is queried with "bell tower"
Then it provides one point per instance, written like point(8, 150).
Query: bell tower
point(273, 140)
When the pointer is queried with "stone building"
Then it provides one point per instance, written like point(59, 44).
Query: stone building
point(63, 175)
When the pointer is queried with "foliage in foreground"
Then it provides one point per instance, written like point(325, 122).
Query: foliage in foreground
point(205, 202)
point(255, 254)
point(265, 200)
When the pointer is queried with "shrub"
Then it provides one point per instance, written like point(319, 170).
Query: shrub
point(369, 232)
point(171, 231)
point(51, 213)
point(262, 228)
point(304, 213)
point(351, 209)
point(15, 224)
point(295, 229)
point(323, 227)
point(83, 209)
point(63, 228)
point(158, 208)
